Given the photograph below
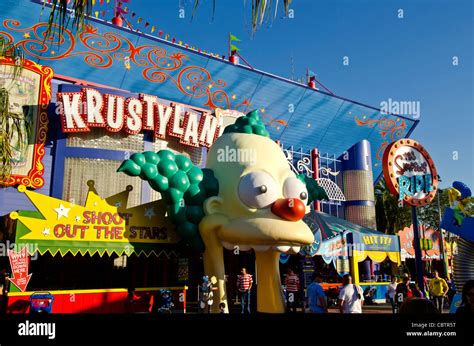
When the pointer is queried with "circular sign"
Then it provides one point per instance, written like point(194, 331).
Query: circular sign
point(409, 172)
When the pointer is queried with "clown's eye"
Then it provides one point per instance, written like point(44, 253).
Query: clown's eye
point(295, 188)
point(257, 190)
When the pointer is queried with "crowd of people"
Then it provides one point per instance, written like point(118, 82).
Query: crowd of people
point(404, 295)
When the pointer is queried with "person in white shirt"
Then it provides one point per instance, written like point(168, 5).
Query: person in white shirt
point(392, 289)
point(351, 297)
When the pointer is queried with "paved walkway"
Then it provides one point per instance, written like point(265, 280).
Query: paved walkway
point(369, 309)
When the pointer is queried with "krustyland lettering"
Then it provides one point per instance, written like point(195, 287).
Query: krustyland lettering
point(81, 111)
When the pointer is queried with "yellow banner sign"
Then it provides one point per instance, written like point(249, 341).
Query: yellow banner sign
point(100, 220)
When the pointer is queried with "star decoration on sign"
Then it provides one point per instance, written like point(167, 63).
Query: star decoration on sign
point(26, 35)
point(62, 211)
point(149, 213)
point(46, 232)
point(53, 52)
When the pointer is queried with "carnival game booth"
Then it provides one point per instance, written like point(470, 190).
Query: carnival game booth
point(431, 249)
point(98, 258)
point(371, 257)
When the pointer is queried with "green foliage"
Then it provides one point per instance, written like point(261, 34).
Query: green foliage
point(391, 218)
point(250, 124)
point(10, 123)
point(261, 9)
point(11, 126)
point(9, 50)
point(59, 18)
point(315, 192)
point(183, 187)
point(429, 215)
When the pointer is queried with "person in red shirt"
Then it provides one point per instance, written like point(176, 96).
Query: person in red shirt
point(244, 285)
point(403, 291)
point(292, 283)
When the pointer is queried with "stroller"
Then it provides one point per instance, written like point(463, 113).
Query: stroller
point(369, 296)
point(332, 295)
point(165, 302)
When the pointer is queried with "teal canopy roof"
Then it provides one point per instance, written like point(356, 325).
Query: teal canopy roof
point(331, 226)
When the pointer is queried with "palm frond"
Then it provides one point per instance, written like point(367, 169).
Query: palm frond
point(9, 50)
point(196, 4)
point(286, 5)
point(59, 18)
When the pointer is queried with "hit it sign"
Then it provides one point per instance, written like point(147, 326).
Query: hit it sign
point(116, 111)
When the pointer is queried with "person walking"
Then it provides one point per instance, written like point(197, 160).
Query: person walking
point(415, 290)
point(403, 291)
point(438, 290)
point(244, 286)
point(392, 288)
point(317, 299)
point(351, 297)
point(292, 283)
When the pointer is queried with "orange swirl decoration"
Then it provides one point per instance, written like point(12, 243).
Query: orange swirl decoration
point(38, 45)
point(34, 177)
point(102, 50)
point(386, 127)
point(157, 63)
point(199, 84)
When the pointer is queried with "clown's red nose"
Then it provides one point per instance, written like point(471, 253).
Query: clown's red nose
point(291, 209)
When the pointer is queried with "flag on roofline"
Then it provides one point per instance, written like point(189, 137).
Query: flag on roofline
point(234, 38)
point(232, 48)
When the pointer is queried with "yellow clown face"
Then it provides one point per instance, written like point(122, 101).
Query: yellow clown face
point(261, 203)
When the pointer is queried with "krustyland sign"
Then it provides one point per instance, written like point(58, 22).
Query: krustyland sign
point(80, 111)
point(410, 172)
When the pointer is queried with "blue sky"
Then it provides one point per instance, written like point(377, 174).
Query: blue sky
point(405, 59)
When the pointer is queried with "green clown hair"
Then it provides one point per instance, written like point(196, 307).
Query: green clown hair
point(183, 186)
point(250, 124)
point(315, 192)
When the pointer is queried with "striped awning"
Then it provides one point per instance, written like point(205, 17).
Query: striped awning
point(331, 226)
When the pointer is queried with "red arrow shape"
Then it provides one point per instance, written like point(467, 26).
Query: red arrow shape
point(21, 282)
point(19, 265)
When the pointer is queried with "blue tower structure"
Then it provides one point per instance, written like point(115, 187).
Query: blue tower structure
point(359, 207)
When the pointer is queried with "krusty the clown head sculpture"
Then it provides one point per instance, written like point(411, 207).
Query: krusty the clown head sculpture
point(246, 198)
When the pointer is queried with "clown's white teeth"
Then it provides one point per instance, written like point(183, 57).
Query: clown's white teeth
point(227, 245)
point(230, 246)
point(294, 249)
point(261, 248)
point(283, 248)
